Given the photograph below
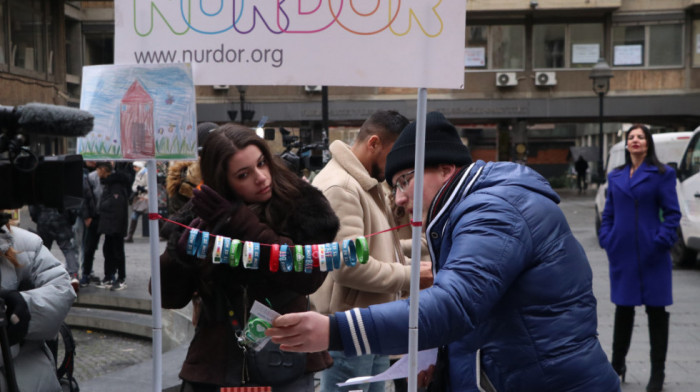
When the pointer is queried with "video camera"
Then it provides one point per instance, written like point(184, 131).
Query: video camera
point(54, 181)
point(311, 156)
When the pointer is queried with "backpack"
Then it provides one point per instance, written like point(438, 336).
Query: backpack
point(64, 369)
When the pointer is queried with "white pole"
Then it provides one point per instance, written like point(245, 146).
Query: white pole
point(416, 240)
point(155, 277)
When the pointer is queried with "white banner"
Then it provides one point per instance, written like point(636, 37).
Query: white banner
point(395, 43)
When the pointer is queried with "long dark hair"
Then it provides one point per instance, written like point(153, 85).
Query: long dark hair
point(650, 158)
point(226, 141)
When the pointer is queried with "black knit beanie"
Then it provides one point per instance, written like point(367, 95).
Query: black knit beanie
point(442, 145)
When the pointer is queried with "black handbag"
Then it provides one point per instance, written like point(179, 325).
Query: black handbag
point(271, 366)
point(268, 366)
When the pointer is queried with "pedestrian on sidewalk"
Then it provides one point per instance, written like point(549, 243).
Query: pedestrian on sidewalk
point(581, 167)
point(511, 280)
point(139, 198)
point(248, 195)
point(638, 229)
point(114, 210)
point(54, 225)
point(91, 236)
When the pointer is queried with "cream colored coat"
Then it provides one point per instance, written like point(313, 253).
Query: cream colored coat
point(360, 203)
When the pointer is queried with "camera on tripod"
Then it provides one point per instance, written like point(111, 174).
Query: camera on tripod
point(305, 153)
point(54, 181)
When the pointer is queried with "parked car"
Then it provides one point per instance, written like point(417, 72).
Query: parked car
point(670, 149)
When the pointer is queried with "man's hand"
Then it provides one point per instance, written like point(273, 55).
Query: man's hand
point(425, 377)
point(306, 332)
point(88, 221)
point(426, 274)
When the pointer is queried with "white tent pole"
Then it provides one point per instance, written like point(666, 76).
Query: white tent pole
point(155, 277)
point(416, 239)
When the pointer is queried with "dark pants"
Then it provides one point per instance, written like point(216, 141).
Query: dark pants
point(581, 180)
point(91, 238)
point(115, 260)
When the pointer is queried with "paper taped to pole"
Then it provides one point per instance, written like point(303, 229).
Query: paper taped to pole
point(393, 43)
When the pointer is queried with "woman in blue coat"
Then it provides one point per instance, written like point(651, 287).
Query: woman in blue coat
point(639, 226)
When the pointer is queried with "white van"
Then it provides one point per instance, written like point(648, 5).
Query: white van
point(670, 148)
point(685, 252)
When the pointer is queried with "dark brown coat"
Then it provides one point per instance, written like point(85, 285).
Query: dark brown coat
point(214, 356)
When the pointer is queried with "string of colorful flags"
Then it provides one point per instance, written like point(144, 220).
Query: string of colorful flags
point(284, 257)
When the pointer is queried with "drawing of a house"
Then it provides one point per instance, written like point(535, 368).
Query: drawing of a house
point(136, 123)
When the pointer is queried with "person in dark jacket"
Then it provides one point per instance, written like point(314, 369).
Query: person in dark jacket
point(247, 195)
point(114, 210)
point(638, 229)
point(510, 280)
point(91, 238)
point(581, 167)
point(54, 225)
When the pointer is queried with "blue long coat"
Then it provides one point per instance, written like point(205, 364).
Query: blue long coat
point(637, 241)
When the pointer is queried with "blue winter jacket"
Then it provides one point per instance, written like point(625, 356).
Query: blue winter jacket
point(510, 279)
point(637, 240)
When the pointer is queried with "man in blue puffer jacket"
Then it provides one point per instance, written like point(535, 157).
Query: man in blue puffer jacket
point(510, 280)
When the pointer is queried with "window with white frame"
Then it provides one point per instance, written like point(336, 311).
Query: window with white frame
point(495, 47)
point(653, 45)
point(577, 45)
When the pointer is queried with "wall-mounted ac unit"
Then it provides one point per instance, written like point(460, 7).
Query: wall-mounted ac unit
point(545, 78)
point(220, 87)
point(505, 79)
point(312, 89)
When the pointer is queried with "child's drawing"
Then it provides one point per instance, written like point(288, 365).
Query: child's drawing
point(140, 112)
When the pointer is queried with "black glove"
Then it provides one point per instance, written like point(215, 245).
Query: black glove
point(140, 189)
point(17, 313)
point(210, 206)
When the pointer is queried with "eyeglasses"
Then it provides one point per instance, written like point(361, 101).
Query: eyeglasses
point(403, 181)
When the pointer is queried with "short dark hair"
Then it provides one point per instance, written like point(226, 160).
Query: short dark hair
point(104, 164)
point(387, 124)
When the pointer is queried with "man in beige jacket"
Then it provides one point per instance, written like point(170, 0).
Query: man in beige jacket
point(351, 182)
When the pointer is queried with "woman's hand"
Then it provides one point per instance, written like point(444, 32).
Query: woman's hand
point(209, 205)
point(306, 332)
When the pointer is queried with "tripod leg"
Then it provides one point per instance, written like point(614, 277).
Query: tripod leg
point(7, 356)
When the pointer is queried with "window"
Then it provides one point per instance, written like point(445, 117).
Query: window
point(586, 45)
point(666, 45)
point(567, 46)
point(548, 46)
point(658, 45)
point(495, 47)
point(28, 35)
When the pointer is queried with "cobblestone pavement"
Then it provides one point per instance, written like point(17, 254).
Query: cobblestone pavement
point(99, 353)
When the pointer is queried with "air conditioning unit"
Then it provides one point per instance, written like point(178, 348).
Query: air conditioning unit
point(505, 79)
point(220, 87)
point(545, 78)
point(313, 89)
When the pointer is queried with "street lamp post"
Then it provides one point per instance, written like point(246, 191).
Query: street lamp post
point(241, 90)
point(601, 74)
